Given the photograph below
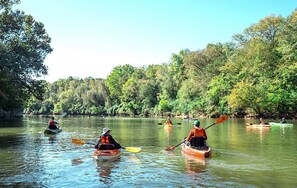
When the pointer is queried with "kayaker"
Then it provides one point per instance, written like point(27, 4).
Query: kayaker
point(197, 136)
point(261, 122)
point(168, 121)
point(283, 120)
point(52, 124)
point(106, 142)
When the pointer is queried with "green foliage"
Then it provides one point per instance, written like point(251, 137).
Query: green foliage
point(116, 79)
point(24, 44)
point(256, 73)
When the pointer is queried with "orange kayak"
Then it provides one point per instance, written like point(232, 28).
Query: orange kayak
point(258, 125)
point(106, 154)
point(168, 125)
point(195, 152)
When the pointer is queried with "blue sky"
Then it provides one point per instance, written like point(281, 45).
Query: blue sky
point(91, 37)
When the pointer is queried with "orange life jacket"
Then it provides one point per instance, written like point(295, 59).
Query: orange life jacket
point(196, 132)
point(104, 139)
point(199, 132)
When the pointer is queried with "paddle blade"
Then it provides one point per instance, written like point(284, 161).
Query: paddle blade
point(78, 141)
point(133, 149)
point(222, 119)
point(64, 114)
point(170, 148)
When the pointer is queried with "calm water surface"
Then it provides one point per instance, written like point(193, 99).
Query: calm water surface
point(242, 157)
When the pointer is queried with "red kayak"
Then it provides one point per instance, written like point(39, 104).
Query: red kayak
point(106, 154)
point(195, 152)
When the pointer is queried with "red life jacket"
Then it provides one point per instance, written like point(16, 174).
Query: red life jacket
point(51, 122)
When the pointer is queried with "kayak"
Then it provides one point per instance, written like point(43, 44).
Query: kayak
point(280, 124)
point(168, 125)
point(258, 125)
point(106, 154)
point(195, 152)
point(52, 131)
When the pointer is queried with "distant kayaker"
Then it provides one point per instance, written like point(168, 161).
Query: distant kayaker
point(261, 122)
point(283, 120)
point(168, 121)
point(106, 142)
point(197, 136)
point(52, 124)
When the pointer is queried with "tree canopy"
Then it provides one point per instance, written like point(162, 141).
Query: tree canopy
point(24, 44)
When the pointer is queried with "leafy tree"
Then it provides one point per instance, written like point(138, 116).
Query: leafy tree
point(24, 44)
point(116, 79)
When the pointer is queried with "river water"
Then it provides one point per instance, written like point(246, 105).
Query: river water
point(242, 157)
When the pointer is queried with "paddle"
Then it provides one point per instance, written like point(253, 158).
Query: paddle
point(221, 119)
point(82, 142)
point(64, 114)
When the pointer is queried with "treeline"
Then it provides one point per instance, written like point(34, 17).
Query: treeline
point(254, 74)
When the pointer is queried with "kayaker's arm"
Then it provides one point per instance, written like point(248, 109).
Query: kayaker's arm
point(189, 136)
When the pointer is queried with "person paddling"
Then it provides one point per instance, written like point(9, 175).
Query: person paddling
point(168, 121)
point(261, 122)
point(106, 141)
point(52, 124)
point(197, 136)
point(283, 120)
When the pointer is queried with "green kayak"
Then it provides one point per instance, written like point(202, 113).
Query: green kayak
point(280, 124)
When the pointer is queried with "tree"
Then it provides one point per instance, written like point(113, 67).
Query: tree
point(116, 79)
point(24, 45)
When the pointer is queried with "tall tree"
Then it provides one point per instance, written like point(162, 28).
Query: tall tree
point(24, 44)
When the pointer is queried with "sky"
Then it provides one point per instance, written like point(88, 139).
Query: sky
point(90, 38)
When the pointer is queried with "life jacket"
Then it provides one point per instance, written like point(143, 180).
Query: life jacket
point(198, 138)
point(105, 143)
point(51, 122)
point(198, 132)
point(105, 139)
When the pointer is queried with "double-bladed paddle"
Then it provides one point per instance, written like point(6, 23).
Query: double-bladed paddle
point(82, 142)
point(221, 119)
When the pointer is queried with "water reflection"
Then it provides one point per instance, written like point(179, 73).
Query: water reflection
point(134, 159)
point(105, 169)
point(30, 159)
point(76, 161)
point(193, 164)
point(258, 130)
point(168, 131)
point(51, 138)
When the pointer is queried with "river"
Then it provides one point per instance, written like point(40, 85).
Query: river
point(242, 157)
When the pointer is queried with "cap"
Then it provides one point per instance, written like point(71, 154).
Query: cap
point(196, 123)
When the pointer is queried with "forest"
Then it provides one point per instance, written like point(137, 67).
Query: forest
point(255, 74)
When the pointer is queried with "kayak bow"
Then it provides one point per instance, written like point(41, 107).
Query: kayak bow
point(52, 131)
point(106, 154)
